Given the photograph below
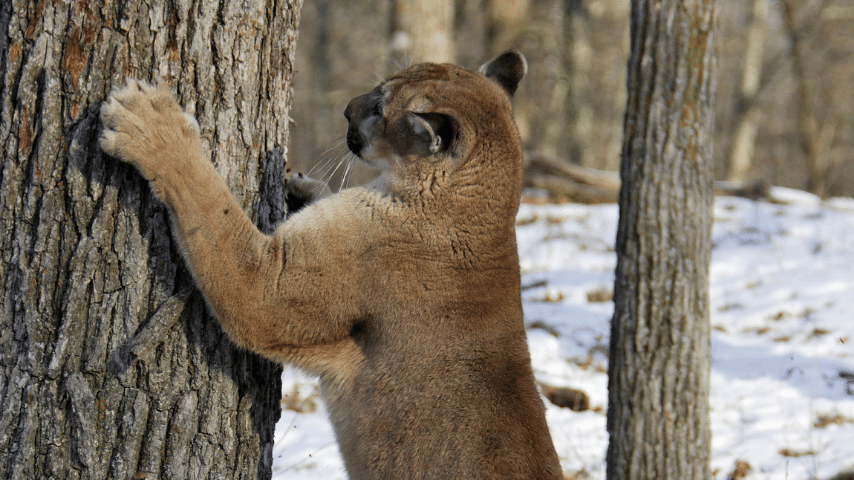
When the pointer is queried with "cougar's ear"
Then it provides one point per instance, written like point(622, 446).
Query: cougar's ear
point(432, 133)
point(507, 70)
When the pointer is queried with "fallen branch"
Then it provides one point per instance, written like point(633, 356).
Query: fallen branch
point(582, 175)
point(590, 186)
point(570, 190)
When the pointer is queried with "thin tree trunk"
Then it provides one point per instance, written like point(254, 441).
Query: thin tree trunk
point(816, 139)
point(540, 104)
point(423, 31)
point(658, 410)
point(508, 20)
point(110, 364)
point(509, 26)
point(579, 61)
point(747, 115)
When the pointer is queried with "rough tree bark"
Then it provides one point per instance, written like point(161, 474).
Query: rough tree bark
point(658, 409)
point(110, 365)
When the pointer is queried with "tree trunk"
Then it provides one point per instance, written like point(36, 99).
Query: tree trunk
point(540, 103)
point(508, 20)
point(110, 364)
point(423, 31)
point(747, 115)
point(816, 137)
point(658, 411)
point(579, 61)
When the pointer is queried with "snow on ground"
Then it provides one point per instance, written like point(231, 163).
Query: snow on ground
point(782, 303)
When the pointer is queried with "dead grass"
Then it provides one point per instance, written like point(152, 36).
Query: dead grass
point(794, 453)
point(600, 295)
point(577, 475)
point(296, 402)
point(730, 306)
point(824, 420)
point(596, 357)
point(520, 222)
point(549, 297)
point(546, 327)
point(739, 470)
point(757, 330)
point(818, 332)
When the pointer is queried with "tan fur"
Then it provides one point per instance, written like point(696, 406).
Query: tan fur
point(402, 296)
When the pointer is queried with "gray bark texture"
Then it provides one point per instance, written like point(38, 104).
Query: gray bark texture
point(110, 364)
point(658, 391)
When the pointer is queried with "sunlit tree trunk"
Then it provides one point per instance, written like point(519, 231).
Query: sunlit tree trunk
point(508, 20)
point(747, 115)
point(423, 31)
point(658, 390)
point(507, 26)
point(579, 62)
point(110, 364)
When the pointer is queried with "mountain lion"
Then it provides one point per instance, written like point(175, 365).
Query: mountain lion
point(402, 295)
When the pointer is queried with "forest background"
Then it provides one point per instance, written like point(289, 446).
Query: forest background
point(785, 96)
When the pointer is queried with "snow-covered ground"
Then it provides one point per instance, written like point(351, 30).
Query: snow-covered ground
point(782, 303)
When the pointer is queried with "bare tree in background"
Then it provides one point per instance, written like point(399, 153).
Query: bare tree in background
point(423, 31)
point(110, 365)
point(743, 141)
point(658, 387)
point(816, 133)
point(540, 104)
point(579, 61)
point(508, 20)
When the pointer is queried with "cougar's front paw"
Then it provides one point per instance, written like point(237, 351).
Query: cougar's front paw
point(145, 126)
point(304, 190)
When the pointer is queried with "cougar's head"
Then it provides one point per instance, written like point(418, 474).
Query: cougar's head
point(437, 122)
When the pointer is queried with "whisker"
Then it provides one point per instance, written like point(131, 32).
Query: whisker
point(348, 170)
point(337, 166)
point(378, 76)
point(355, 161)
point(321, 168)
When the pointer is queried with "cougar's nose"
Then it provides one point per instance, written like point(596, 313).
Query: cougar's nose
point(351, 113)
point(354, 141)
point(348, 112)
point(354, 137)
